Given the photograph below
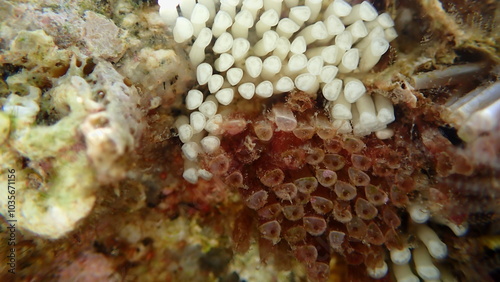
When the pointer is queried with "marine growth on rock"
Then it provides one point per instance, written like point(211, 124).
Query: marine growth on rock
point(240, 140)
point(312, 155)
point(262, 49)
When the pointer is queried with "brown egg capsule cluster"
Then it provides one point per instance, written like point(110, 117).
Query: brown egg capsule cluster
point(319, 194)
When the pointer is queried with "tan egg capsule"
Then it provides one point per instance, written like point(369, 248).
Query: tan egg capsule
point(272, 177)
point(304, 131)
point(356, 228)
point(293, 158)
point(314, 225)
point(263, 130)
point(342, 212)
point(257, 200)
point(375, 195)
point(333, 145)
point(382, 169)
point(321, 205)
point(358, 177)
point(219, 165)
point(271, 231)
point(293, 212)
point(365, 210)
point(353, 144)
point(374, 235)
point(345, 191)
point(336, 238)
point(302, 199)
point(393, 159)
point(285, 191)
point(334, 162)
point(326, 177)
point(235, 180)
point(324, 128)
point(361, 162)
point(306, 185)
point(284, 118)
point(315, 156)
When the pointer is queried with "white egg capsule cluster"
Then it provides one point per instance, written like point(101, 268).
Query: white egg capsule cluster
point(430, 249)
point(261, 48)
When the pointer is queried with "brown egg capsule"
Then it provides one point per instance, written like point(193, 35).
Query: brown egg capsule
point(391, 218)
point(358, 177)
point(356, 228)
point(333, 145)
point(257, 200)
point(398, 197)
point(382, 169)
point(334, 162)
point(345, 191)
point(306, 254)
point(293, 158)
point(235, 180)
point(219, 165)
point(342, 212)
point(374, 234)
point(319, 271)
point(293, 212)
point(360, 162)
point(314, 225)
point(354, 258)
point(353, 145)
point(301, 199)
point(321, 205)
point(365, 210)
point(271, 231)
point(393, 240)
point(270, 211)
point(286, 191)
point(336, 238)
point(272, 177)
point(306, 184)
point(304, 131)
point(326, 177)
point(315, 156)
point(405, 183)
point(263, 130)
point(444, 164)
point(324, 128)
point(375, 195)
point(295, 234)
point(462, 164)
